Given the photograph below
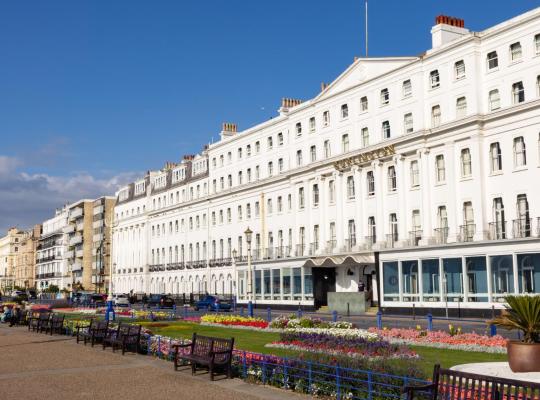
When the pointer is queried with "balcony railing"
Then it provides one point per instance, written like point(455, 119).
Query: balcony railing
point(466, 232)
point(369, 241)
point(331, 245)
point(414, 237)
point(156, 267)
point(75, 240)
point(350, 243)
point(313, 248)
point(75, 213)
point(282, 251)
point(521, 228)
point(391, 240)
point(441, 235)
point(46, 259)
point(497, 230)
point(300, 250)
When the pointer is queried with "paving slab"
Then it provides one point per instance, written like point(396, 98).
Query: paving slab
point(38, 366)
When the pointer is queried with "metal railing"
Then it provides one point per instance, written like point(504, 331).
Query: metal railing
point(441, 235)
point(350, 243)
point(521, 228)
point(391, 240)
point(313, 248)
point(369, 241)
point(331, 245)
point(300, 250)
point(466, 232)
point(415, 237)
point(497, 230)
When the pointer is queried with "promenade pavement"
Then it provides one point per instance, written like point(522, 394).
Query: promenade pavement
point(39, 366)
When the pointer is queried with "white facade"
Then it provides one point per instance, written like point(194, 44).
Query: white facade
point(402, 159)
point(52, 253)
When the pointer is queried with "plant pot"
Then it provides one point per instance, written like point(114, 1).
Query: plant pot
point(523, 357)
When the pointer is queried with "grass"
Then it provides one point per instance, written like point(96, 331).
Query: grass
point(255, 341)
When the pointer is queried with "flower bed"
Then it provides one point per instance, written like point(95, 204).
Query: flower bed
point(292, 321)
point(440, 339)
point(357, 343)
point(234, 320)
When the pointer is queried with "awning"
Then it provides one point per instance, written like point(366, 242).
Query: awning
point(336, 261)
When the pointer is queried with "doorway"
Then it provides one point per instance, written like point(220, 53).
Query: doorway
point(324, 281)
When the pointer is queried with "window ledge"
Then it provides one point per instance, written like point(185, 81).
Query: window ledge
point(512, 63)
point(415, 188)
point(466, 178)
point(496, 173)
point(519, 169)
point(440, 183)
point(492, 70)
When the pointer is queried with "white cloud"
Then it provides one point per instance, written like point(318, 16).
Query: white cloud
point(27, 199)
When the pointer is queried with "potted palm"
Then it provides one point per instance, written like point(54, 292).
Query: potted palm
point(522, 313)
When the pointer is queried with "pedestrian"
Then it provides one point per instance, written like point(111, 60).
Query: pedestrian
point(15, 316)
point(361, 286)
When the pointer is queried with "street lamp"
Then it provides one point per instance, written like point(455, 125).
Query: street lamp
point(249, 233)
point(111, 224)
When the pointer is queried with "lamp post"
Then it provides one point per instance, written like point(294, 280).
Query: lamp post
point(109, 313)
point(235, 277)
point(248, 233)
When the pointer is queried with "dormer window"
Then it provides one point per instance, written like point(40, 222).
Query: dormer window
point(363, 104)
point(515, 52)
point(344, 111)
point(326, 118)
point(312, 124)
point(434, 79)
point(385, 97)
point(492, 60)
point(298, 128)
point(459, 69)
point(280, 139)
point(407, 88)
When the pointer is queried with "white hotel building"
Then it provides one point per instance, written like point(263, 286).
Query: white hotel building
point(419, 176)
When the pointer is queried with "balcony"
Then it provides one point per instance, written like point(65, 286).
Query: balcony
point(76, 267)
point(75, 213)
point(98, 210)
point(350, 243)
point(75, 240)
point(300, 250)
point(98, 237)
point(46, 259)
point(521, 228)
point(282, 251)
point(331, 246)
point(97, 279)
point(69, 254)
point(369, 241)
point(313, 248)
point(69, 229)
point(79, 227)
point(415, 237)
point(79, 253)
point(466, 232)
point(441, 235)
point(497, 230)
point(391, 240)
point(97, 224)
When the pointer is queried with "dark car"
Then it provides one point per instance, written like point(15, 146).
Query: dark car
point(210, 302)
point(160, 300)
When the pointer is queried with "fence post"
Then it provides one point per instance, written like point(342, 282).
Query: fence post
point(429, 322)
point(338, 384)
point(234, 303)
point(379, 320)
point(413, 311)
point(185, 311)
point(159, 346)
point(334, 316)
point(285, 373)
point(250, 309)
point(299, 312)
point(244, 364)
point(241, 311)
point(492, 330)
point(310, 378)
point(370, 385)
point(148, 345)
point(269, 314)
point(264, 367)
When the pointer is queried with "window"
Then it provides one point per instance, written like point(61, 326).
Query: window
point(459, 69)
point(494, 100)
point(370, 180)
point(240, 177)
point(299, 158)
point(466, 164)
point(537, 44)
point(351, 229)
point(248, 150)
point(248, 211)
point(385, 97)
point(327, 149)
point(229, 181)
point(518, 92)
point(332, 191)
point(229, 157)
point(408, 123)
point(345, 143)
point(372, 230)
point(538, 85)
point(289, 201)
point(520, 156)
point(214, 162)
point(416, 222)
point(495, 156)
point(392, 181)
point(522, 226)
point(301, 199)
point(461, 107)
point(365, 137)
point(439, 169)
point(248, 175)
point(326, 118)
point(229, 215)
point(498, 228)
point(386, 130)
point(344, 111)
point(415, 174)
point(312, 124)
point(239, 153)
point(492, 60)
point(406, 88)
point(270, 143)
point(222, 183)
point(313, 153)
point(315, 195)
point(257, 173)
point(280, 165)
point(467, 231)
point(279, 204)
point(270, 168)
point(393, 228)
point(257, 209)
point(269, 206)
point(363, 104)
point(350, 187)
point(435, 116)
point(257, 147)
point(280, 139)
point(515, 52)
point(442, 230)
point(434, 79)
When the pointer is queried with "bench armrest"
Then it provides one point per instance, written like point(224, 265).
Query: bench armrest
point(410, 390)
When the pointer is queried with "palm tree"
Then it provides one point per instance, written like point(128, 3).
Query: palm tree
point(522, 313)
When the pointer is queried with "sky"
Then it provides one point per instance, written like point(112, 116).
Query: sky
point(95, 92)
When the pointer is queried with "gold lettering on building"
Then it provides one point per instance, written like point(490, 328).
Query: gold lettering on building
point(366, 157)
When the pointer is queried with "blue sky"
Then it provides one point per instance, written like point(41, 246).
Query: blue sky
point(94, 92)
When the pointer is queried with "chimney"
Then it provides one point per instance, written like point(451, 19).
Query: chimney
point(188, 157)
point(228, 129)
point(323, 86)
point(287, 104)
point(446, 30)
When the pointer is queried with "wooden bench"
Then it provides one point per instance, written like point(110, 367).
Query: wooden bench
point(54, 324)
point(36, 320)
point(95, 332)
point(448, 384)
point(124, 337)
point(206, 351)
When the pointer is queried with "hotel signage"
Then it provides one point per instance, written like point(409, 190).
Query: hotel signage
point(366, 157)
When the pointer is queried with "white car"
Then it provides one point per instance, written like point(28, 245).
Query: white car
point(121, 300)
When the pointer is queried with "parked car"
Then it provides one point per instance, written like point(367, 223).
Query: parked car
point(211, 302)
point(160, 300)
point(90, 299)
point(121, 300)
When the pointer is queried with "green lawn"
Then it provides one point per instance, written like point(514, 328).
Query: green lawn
point(255, 341)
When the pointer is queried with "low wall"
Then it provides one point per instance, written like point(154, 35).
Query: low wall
point(338, 301)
